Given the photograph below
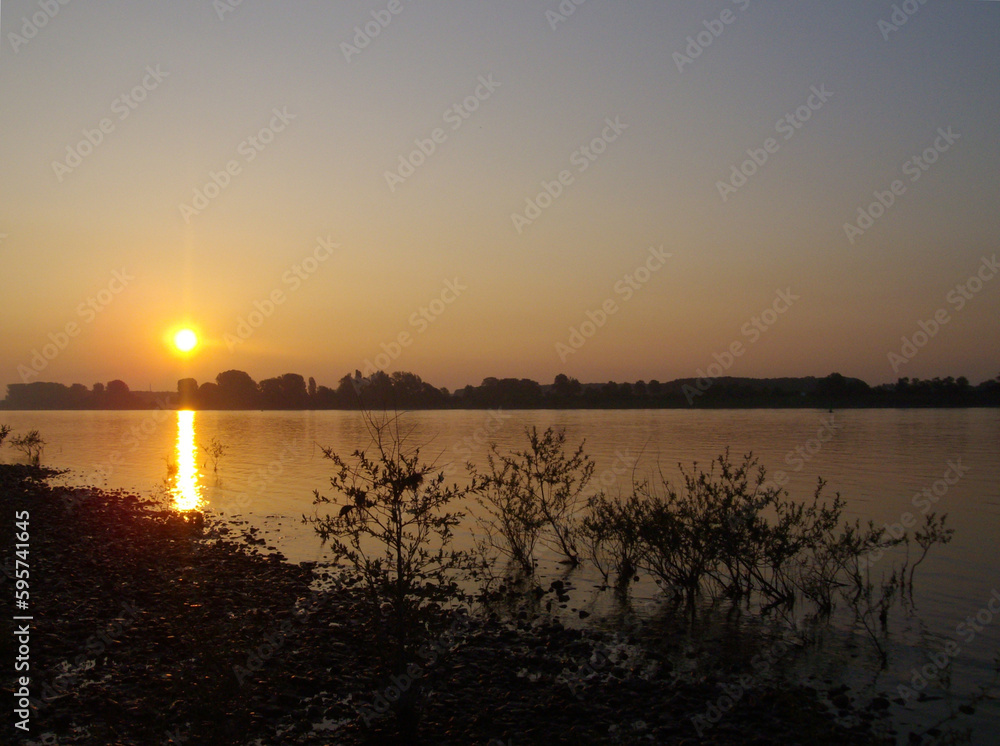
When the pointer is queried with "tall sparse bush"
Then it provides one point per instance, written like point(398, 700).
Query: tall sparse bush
point(215, 450)
point(932, 532)
point(723, 531)
point(611, 532)
point(394, 528)
point(512, 521)
point(31, 445)
point(537, 492)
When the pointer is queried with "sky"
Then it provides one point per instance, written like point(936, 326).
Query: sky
point(615, 191)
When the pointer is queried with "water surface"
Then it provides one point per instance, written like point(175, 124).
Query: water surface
point(880, 461)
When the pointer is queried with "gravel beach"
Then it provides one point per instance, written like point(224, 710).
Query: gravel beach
point(150, 627)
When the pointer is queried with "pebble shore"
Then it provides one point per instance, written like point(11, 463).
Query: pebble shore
point(151, 627)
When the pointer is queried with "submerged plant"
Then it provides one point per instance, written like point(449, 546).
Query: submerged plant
point(533, 495)
point(932, 532)
point(215, 450)
point(611, 531)
point(513, 520)
point(723, 531)
point(31, 445)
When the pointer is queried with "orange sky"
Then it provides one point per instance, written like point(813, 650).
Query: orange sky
point(481, 185)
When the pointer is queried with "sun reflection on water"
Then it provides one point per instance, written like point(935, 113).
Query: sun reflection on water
point(186, 488)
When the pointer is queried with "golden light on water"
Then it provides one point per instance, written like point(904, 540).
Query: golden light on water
point(186, 489)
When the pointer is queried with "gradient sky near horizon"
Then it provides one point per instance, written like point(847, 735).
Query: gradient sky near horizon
point(221, 71)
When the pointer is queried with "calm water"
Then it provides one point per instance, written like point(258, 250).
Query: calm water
point(878, 460)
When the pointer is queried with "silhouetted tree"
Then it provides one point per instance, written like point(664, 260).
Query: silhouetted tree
point(187, 392)
point(326, 398)
point(348, 395)
point(565, 389)
point(38, 395)
point(208, 395)
point(312, 387)
point(293, 390)
point(79, 396)
point(237, 390)
point(117, 388)
point(270, 392)
point(118, 394)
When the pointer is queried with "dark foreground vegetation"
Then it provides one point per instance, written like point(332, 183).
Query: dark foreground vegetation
point(154, 627)
point(235, 389)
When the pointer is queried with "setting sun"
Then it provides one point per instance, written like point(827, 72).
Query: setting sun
point(185, 340)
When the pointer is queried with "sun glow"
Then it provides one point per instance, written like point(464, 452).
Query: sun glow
point(186, 489)
point(185, 340)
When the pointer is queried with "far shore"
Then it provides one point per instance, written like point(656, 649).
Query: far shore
point(236, 390)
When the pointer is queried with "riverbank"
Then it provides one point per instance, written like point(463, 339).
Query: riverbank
point(180, 632)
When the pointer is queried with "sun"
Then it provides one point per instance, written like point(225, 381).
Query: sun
point(185, 340)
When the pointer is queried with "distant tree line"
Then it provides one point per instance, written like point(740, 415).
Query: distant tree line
point(44, 395)
point(235, 389)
